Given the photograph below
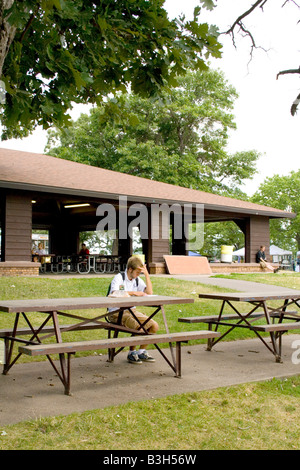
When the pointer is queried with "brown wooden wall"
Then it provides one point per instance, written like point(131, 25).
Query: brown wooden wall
point(156, 246)
point(157, 249)
point(16, 223)
point(257, 233)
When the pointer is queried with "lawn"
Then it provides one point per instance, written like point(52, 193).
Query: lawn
point(250, 416)
point(260, 416)
point(282, 278)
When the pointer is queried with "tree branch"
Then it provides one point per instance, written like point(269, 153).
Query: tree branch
point(297, 100)
point(295, 105)
point(238, 22)
point(258, 3)
point(29, 22)
point(284, 72)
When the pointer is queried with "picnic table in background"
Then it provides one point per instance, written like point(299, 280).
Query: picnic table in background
point(95, 263)
point(278, 319)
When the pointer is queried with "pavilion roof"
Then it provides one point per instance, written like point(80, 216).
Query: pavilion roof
point(38, 172)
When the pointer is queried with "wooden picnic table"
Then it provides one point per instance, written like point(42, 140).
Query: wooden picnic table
point(57, 309)
point(258, 306)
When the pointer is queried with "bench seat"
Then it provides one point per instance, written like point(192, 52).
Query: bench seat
point(276, 327)
point(70, 348)
point(7, 332)
point(26, 331)
point(74, 346)
point(234, 316)
point(214, 318)
point(264, 327)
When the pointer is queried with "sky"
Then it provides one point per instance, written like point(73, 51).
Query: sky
point(262, 111)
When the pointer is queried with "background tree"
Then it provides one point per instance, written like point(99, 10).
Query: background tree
point(282, 192)
point(55, 52)
point(180, 139)
point(217, 234)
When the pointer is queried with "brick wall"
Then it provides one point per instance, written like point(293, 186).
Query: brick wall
point(19, 268)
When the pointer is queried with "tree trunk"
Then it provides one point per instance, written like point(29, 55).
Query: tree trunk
point(298, 240)
point(7, 32)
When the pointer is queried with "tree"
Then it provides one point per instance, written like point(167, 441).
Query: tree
point(179, 140)
point(55, 52)
point(282, 192)
point(221, 233)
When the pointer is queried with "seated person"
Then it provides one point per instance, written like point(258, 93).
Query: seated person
point(38, 253)
point(84, 252)
point(135, 267)
point(261, 259)
point(41, 250)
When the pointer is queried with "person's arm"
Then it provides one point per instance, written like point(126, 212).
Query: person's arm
point(149, 289)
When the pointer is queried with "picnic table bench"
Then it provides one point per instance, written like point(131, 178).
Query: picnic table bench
point(214, 319)
point(69, 348)
point(246, 320)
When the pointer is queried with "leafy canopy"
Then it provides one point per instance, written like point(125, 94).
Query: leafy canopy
point(65, 51)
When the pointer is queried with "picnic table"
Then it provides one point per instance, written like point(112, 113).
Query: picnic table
point(249, 308)
point(51, 328)
point(96, 263)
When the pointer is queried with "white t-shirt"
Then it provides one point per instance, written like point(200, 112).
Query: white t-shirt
point(129, 285)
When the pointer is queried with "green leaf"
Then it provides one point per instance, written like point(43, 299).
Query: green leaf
point(133, 120)
point(208, 4)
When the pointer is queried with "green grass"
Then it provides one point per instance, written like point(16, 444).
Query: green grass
point(282, 278)
point(251, 416)
point(261, 416)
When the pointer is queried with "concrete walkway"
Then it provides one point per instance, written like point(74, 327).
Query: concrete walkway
point(33, 390)
point(235, 284)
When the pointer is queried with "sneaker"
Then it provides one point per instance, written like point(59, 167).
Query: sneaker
point(145, 357)
point(133, 358)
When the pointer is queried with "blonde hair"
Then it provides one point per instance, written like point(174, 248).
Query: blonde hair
point(134, 262)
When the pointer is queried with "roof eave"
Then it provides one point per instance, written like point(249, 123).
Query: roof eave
point(147, 200)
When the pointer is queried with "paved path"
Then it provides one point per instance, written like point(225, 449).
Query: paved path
point(32, 390)
point(239, 285)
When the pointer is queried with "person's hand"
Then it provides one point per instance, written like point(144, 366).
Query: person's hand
point(137, 293)
point(143, 269)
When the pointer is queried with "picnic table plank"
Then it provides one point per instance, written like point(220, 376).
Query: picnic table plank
point(78, 303)
point(252, 296)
